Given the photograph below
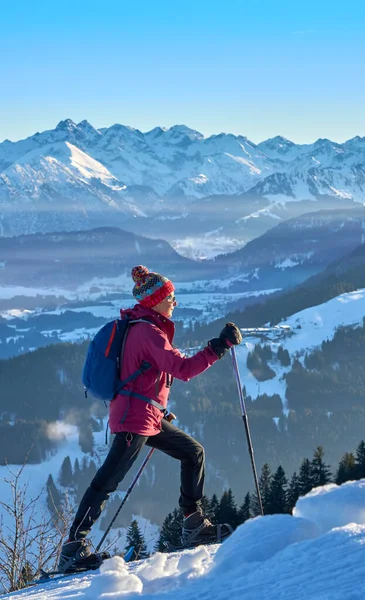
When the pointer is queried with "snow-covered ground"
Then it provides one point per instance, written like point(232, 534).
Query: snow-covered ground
point(308, 329)
point(317, 554)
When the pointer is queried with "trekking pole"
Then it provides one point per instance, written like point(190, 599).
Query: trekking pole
point(245, 421)
point(170, 417)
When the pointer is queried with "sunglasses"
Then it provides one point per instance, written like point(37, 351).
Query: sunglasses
point(171, 297)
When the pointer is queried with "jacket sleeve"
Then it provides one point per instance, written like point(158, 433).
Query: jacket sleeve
point(160, 353)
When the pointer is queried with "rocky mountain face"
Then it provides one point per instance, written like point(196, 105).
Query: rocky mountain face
point(204, 195)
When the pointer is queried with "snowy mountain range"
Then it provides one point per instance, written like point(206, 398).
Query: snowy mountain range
point(76, 177)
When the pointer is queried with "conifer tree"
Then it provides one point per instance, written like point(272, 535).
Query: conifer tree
point(176, 526)
point(170, 533)
point(76, 471)
point(264, 485)
point(165, 534)
point(53, 496)
point(346, 469)
point(305, 477)
point(136, 539)
point(213, 509)
point(293, 492)
point(253, 362)
point(360, 460)
point(65, 477)
point(320, 471)
point(265, 352)
point(205, 504)
point(278, 503)
point(244, 512)
point(283, 356)
point(86, 437)
point(227, 510)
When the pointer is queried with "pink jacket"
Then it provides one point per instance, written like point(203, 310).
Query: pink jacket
point(151, 343)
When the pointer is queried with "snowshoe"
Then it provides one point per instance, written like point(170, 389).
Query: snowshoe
point(76, 556)
point(197, 530)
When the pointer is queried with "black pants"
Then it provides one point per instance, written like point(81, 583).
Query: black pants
point(123, 453)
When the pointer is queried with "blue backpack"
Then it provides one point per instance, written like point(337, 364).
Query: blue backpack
point(100, 375)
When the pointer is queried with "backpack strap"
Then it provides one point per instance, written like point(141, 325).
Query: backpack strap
point(144, 398)
point(144, 367)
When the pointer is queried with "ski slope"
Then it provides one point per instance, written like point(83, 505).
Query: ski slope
point(318, 554)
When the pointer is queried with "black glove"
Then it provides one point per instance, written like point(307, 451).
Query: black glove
point(229, 336)
point(218, 347)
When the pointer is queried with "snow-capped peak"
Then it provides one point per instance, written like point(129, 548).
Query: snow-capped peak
point(177, 132)
point(66, 125)
point(155, 132)
point(87, 128)
point(279, 147)
point(124, 132)
point(278, 140)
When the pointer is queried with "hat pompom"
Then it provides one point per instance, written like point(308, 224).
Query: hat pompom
point(139, 273)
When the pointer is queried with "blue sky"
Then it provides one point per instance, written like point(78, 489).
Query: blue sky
point(259, 68)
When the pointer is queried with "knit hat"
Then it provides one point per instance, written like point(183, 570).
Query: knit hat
point(150, 288)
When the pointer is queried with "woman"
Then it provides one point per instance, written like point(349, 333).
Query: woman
point(137, 423)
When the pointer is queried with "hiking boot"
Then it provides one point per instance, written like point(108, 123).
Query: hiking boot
point(76, 556)
point(197, 529)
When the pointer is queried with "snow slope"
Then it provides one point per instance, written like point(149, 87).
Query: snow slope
point(318, 554)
